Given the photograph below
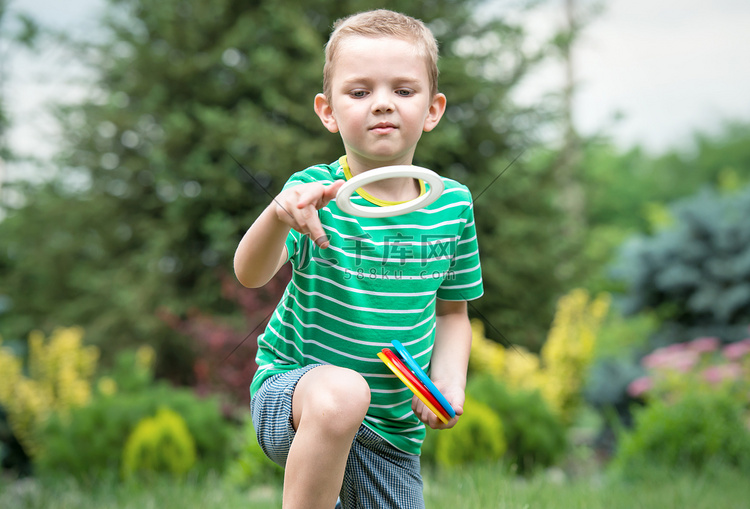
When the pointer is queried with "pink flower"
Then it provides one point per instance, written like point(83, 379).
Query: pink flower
point(684, 361)
point(671, 358)
point(735, 351)
point(659, 358)
point(702, 345)
point(639, 386)
point(717, 374)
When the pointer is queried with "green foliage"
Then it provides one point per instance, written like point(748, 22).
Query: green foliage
point(91, 440)
point(251, 466)
point(620, 335)
point(535, 437)
point(132, 370)
point(696, 431)
point(476, 438)
point(696, 274)
point(159, 444)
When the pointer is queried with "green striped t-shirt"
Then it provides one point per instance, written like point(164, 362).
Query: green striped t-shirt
point(377, 281)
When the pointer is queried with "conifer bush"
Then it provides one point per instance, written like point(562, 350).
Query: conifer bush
point(695, 274)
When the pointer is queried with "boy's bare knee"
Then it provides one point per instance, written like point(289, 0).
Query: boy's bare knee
point(338, 401)
point(355, 393)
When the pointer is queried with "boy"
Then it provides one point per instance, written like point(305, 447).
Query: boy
point(323, 404)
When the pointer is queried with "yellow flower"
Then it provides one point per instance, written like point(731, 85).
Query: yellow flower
point(59, 378)
point(558, 371)
point(522, 368)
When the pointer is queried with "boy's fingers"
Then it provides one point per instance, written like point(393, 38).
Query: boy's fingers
point(331, 191)
point(319, 195)
point(302, 209)
point(316, 232)
point(322, 242)
point(306, 198)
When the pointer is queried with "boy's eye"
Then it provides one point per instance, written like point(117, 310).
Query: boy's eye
point(404, 92)
point(358, 93)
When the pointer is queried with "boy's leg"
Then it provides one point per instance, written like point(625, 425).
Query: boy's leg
point(328, 407)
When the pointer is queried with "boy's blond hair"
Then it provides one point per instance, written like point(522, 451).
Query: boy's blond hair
point(383, 23)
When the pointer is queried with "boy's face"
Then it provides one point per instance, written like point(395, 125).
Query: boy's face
point(380, 101)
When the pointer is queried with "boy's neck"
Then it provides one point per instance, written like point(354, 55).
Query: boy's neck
point(390, 190)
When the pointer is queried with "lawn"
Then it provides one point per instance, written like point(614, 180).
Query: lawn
point(474, 487)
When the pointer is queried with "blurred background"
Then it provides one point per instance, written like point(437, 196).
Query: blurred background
point(139, 139)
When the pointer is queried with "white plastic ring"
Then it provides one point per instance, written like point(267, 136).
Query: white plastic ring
point(436, 187)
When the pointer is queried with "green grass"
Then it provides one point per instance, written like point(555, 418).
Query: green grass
point(161, 493)
point(484, 487)
point(476, 487)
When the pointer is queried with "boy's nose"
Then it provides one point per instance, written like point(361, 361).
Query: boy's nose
point(382, 102)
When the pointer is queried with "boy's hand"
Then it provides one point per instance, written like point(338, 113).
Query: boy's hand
point(455, 396)
point(298, 207)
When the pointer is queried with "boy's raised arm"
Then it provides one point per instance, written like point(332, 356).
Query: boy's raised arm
point(262, 250)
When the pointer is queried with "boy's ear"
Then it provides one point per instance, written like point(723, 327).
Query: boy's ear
point(325, 112)
point(435, 113)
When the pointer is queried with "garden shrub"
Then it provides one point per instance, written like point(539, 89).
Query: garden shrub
point(534, 434)
point(700, 429)
point(251, 465)
point(159, 444)
point(92, 438)
point(477, 437)
point(559, 370)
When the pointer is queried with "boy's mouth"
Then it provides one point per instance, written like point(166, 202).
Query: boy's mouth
point(383, 128)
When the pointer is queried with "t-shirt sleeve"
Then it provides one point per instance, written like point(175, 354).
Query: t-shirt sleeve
point(464, 279)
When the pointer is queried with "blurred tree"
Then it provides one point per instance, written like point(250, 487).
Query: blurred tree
point(152, 197)
point(621, 183)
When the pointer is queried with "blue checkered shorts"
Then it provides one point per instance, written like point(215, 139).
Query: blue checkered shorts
point(377, 476)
